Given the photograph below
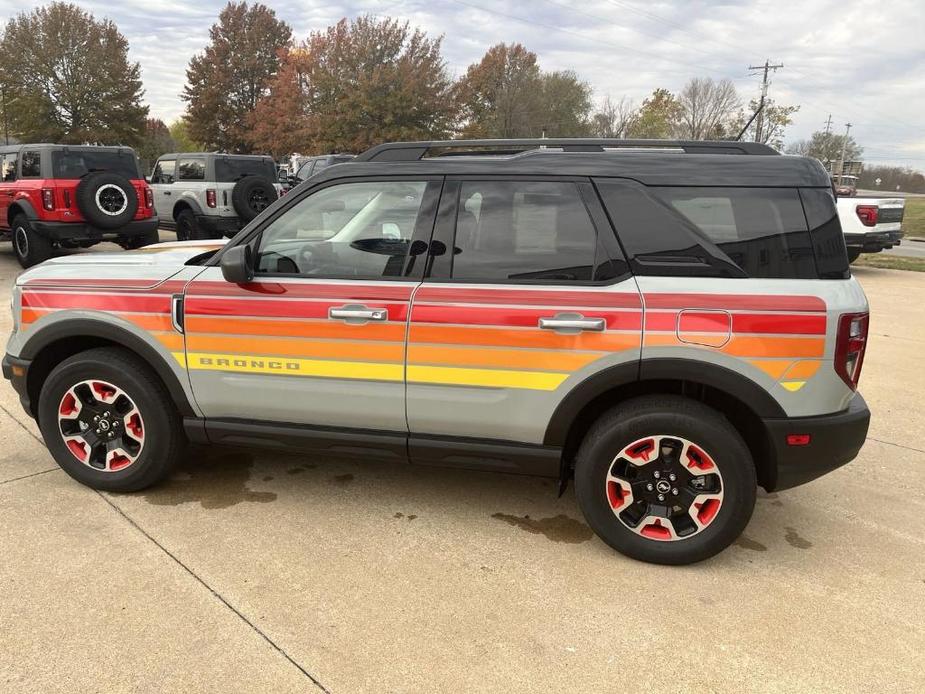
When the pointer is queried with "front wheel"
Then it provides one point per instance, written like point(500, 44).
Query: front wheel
point(109, 422)
point(665, 479)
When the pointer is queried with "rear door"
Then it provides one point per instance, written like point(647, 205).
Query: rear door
point(318, 337)
point(162, 182)
point(528, 296)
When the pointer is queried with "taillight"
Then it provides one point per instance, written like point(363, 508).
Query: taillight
point(149, 197)
point(210, 197)
point(67, 198)
point(867, 214)
point(849, 347)
point(48, 199)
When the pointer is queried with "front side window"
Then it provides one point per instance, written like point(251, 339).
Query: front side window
point(31, 166)
point(523, 231)
point(164, 171)
point(191, 170)
point(9, 167)
point(353, 230)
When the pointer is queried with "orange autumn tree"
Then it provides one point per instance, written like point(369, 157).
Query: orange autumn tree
point(354, 85)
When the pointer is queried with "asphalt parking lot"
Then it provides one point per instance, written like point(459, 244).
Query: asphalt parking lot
point(269, 573)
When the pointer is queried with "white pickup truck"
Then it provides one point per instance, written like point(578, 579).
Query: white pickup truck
point(870, 224)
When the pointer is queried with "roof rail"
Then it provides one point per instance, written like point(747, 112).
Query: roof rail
point(414, 151)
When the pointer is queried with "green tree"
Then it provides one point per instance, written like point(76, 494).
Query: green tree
point(66, 77)
point(179, 132)
point(354, 85)
point(566, 110)
point(226, 81)
point(658, 117)
point(156, 141)
point(502, 94)
point(774, 122)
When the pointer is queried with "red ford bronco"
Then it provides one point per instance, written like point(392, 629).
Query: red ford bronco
point(66, 196)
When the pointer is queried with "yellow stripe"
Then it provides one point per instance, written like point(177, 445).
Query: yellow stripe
point(491, 378)
point(793, 385)
point(181, 358)
point(291, 366)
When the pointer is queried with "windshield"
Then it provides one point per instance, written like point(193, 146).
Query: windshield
point(76, 163)
point(229, 169)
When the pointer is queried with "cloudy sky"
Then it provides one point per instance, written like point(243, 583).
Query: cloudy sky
point(861, 62)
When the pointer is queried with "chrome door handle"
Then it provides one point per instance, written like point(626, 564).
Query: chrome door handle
point(358, 313)
point(593, 324)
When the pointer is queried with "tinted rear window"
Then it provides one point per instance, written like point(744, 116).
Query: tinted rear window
point(825, 230)
point(77, 163)
point(762, 230)
point(229, 169)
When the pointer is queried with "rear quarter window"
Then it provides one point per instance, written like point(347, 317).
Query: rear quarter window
point(826, 233)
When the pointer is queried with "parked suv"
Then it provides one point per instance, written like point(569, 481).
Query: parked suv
point(67, 196)
point(209, 195)
point(671, 324)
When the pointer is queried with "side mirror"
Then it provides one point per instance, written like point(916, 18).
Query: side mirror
point(238, 264)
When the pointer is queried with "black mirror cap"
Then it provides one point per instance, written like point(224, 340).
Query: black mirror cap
point(238, 264)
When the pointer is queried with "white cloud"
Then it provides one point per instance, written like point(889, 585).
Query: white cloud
point(861, 62)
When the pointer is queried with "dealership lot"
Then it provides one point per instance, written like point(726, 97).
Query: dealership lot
point(263, 572)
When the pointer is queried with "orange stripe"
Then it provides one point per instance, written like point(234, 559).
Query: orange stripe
point(172, 341)
point(802, 371)
point(743, 346)
point(30, 315)
point(504, 337)
point(228, 344)
point(773, 368)
point(148, 321)
point(391, 332)
point(501, 358)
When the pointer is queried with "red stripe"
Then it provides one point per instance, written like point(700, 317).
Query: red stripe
point(279, 308)
point(347, 292)
point(101, 285)
point(547, 297)
point(738, 302)
point(793, 324)
point(104, 302)
point(515, 317)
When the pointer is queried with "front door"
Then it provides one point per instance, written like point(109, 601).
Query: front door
point(162, 178)
point(318, 337)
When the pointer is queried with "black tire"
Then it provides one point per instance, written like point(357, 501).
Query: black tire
point(188, 228)
point(675, 416)
point(252, 195)
point(853, 254)
point(29, 247)
point(107, 200)
point(164, 439)
point(141, 240)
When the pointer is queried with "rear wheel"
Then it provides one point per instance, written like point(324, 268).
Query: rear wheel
point(109, 422)
point(141, 240)
point(30, 248)
point(853, 254)
point(665, 479)
point(188, 228)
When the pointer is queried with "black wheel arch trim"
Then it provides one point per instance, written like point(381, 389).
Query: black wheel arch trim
point(25, 206)
point(97, 329)
point(658, 369)
point(192, 204)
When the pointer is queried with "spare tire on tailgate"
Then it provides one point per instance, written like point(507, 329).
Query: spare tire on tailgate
point(252, 195)
point(107, 200)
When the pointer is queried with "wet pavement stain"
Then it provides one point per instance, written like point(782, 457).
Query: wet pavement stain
point(267, 478)
point(559, 528)
point(748, 543)
point(410, 516)
point(216, 479)
point(342, 480)
point(793, 538)
point(777, 503)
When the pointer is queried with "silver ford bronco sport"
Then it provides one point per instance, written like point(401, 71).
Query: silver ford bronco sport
point(669, 324)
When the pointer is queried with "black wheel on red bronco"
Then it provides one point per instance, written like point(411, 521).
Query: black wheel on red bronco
point(107, 200)
point(141, 240)
point(665, 479)
point(109, 422)
point(29, 247)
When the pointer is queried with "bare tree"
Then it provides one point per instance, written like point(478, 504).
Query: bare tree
point(613, 119)
point(707, 108)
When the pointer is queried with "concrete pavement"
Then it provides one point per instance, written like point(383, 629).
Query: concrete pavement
point(265, 573)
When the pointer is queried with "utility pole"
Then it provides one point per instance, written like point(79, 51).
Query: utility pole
point(841, 159)
point(825, 142)
point(766, 68)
